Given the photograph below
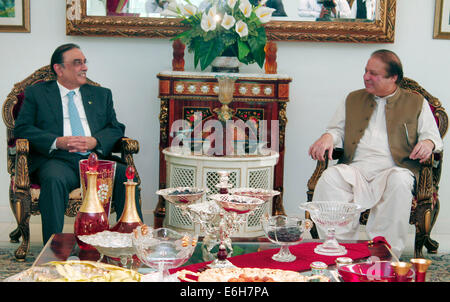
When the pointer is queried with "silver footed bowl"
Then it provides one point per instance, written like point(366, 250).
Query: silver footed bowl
point(111, 244)
point(237, 203)
point(263, 194)
point(182, 195)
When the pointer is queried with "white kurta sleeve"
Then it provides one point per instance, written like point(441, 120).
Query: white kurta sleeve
point(427, 128)
point(336, 126)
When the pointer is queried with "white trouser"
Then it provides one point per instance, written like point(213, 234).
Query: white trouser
point(388, 195)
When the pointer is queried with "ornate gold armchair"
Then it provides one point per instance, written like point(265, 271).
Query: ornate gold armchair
point(425, 204)
point(23, 194)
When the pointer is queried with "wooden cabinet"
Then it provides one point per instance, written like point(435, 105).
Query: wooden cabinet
point(261, 98)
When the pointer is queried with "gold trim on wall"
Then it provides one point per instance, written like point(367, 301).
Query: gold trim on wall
point(24, 27)
point(439, 10)
point(78, 23)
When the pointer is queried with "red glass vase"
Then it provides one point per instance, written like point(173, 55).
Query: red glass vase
point(129, 220)
point(91, 217)
point(105, 180)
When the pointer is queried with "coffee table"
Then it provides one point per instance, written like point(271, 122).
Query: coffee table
point(63, 246)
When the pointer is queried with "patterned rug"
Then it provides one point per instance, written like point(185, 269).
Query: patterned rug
point(439, 270)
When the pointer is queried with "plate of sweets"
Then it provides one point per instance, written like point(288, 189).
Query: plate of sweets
point(76, 271)
point(247, 274)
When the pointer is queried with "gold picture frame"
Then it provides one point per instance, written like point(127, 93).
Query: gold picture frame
point(18, 20)
point(381, 30)
point(442, 20)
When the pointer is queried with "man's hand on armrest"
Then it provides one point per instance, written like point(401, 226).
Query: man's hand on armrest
point(324, 143)
point(422, 150)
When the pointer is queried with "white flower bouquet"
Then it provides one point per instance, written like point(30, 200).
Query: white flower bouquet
point(224, 28)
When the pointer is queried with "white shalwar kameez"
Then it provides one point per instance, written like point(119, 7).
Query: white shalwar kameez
point(373, 180)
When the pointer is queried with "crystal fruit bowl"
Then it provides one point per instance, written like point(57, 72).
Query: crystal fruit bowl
point(329, 215)
point(181, 195)
point(285, 231)
point(163, 248)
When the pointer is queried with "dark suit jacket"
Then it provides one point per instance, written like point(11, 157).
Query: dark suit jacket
point(41, 120)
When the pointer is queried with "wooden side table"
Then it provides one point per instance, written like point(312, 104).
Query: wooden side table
point(260, 97)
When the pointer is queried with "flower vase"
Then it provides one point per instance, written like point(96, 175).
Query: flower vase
point(229, 64)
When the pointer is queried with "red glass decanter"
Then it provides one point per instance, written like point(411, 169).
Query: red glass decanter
point(91, 217)
point(129, 220)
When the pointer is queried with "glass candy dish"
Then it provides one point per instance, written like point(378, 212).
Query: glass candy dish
point(163, 249)
point(236, 203)
point(112, 244)
point(285, 231)
point(329, 215)
point(263, 194)
point(182, 196)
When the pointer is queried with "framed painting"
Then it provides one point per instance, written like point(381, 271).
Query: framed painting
point(15, 16)
point(442, 20)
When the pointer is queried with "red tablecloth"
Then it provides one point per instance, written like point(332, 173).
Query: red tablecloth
point(304, 252)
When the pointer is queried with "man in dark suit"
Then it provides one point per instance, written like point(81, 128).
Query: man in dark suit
point(55, 150)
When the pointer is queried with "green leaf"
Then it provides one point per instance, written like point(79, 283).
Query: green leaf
point(243, 50)
point(257, 44)
point(208, 51)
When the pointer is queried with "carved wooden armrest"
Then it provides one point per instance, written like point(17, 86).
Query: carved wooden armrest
point(425, 183)
point(129, 146)
point(22, 178)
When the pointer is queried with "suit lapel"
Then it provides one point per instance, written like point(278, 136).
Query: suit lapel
point(88, 104)
point(55, 103)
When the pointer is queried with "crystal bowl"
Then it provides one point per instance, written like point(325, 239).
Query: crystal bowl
point(379, 271)
point(285, 231)
point(182, 195)
point(263, 194)
point(329, 215)
point(236, 203)
point(163, 248)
